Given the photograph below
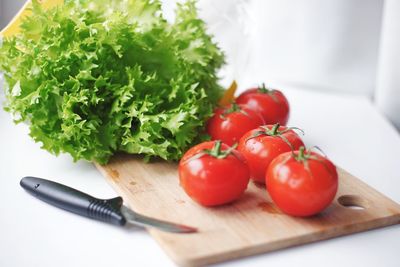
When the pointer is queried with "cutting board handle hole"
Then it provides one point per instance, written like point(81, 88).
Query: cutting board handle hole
point(353, 202)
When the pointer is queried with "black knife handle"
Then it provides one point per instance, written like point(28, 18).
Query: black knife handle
point(67, 198)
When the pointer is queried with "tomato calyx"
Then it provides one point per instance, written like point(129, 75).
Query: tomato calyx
point(233, 108)
point(274, 131)
point(263, 89)
point(303, 154)
point(215, 151)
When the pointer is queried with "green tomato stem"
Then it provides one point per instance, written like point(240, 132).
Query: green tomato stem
point(275, 129)
point(263, 89)
point(216, 150)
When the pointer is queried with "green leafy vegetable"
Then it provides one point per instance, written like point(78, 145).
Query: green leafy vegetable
point(96, 77)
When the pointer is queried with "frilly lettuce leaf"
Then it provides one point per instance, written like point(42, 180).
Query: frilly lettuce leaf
point(96, 77)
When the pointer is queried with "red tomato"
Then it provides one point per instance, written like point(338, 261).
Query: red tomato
point(229, 123)
point(302, 185)
point(260, 146)
point(271, 104)
point(213, 173)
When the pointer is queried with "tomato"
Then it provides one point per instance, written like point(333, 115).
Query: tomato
point(212, 173)
point(229, 123)
point(261, 145)
point(271, 104)
point(303, 183)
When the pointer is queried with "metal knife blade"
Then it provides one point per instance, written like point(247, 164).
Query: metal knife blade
point(144, 221)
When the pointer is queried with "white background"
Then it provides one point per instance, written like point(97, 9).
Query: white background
point(346, 46)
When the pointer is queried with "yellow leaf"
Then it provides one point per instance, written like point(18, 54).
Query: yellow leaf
point(13, 27)
point(229, 95)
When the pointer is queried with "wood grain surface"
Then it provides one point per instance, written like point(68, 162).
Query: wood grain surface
point(249, 226)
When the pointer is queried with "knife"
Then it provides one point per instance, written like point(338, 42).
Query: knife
point(107, 210)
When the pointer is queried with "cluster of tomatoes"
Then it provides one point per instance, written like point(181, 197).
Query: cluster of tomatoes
point(251, 142)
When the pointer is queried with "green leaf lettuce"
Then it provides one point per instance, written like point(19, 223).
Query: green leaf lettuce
point(92, 78)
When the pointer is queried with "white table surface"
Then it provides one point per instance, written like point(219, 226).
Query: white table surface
point(348, 128)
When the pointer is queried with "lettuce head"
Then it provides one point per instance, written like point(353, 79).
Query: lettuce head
point(92, 78)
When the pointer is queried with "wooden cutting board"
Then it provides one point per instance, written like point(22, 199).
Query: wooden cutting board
point(249, 226)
